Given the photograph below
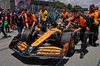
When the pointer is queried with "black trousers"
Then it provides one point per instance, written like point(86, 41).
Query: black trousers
point(94, 32)
point(84, 33)
point(7, 28)
point(19, 28)
point(2, 30)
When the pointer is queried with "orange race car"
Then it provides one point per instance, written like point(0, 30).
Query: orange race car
point(55, 43)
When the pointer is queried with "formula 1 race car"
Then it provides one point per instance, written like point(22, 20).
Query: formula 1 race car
point(55, 43)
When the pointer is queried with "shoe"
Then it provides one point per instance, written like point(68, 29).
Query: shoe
point(90, 43)
point(5, 37)
point(94, 44)
point(81, 55)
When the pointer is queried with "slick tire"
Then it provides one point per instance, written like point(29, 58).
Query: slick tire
point(65, 38)
point(26, 36)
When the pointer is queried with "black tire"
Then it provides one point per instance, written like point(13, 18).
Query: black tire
point(65, 38)
point(25, 36)
point(34, 35)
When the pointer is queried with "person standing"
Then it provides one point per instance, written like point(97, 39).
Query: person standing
point(8, 19)
point(20, 19)
point(94, 28)
point(55, 16)
point(2, 24)
point(49, 19)
point(12, 21)
point(4, 17)
point(65, 16)
point(43, 18)
point(58, 15)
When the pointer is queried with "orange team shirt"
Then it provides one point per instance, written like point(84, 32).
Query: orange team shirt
point(65, 15)
point(30, 20)
point(96, 14)
point(80, 21)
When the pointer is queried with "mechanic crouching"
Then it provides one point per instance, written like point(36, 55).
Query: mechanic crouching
point(30, 20)
point(83, 28)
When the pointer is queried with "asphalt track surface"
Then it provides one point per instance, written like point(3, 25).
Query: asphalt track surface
point(10, 58)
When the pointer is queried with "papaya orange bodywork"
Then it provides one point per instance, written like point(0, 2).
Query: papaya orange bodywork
point(22, 46)
point(65, 48)
point(44, 37)
point(52, 47)
point(50, 50)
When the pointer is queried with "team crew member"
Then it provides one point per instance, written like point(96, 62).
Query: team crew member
point(97, 8)
point(43, 17)
point(50, 18)
point(20, 20)
point(5, 16)
point(12, 20)
point(55, 19)
point(2, 25)
point(8, 19)
point(94, 27)
point(84, 30)
point(65, 16)
point(30, 20)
